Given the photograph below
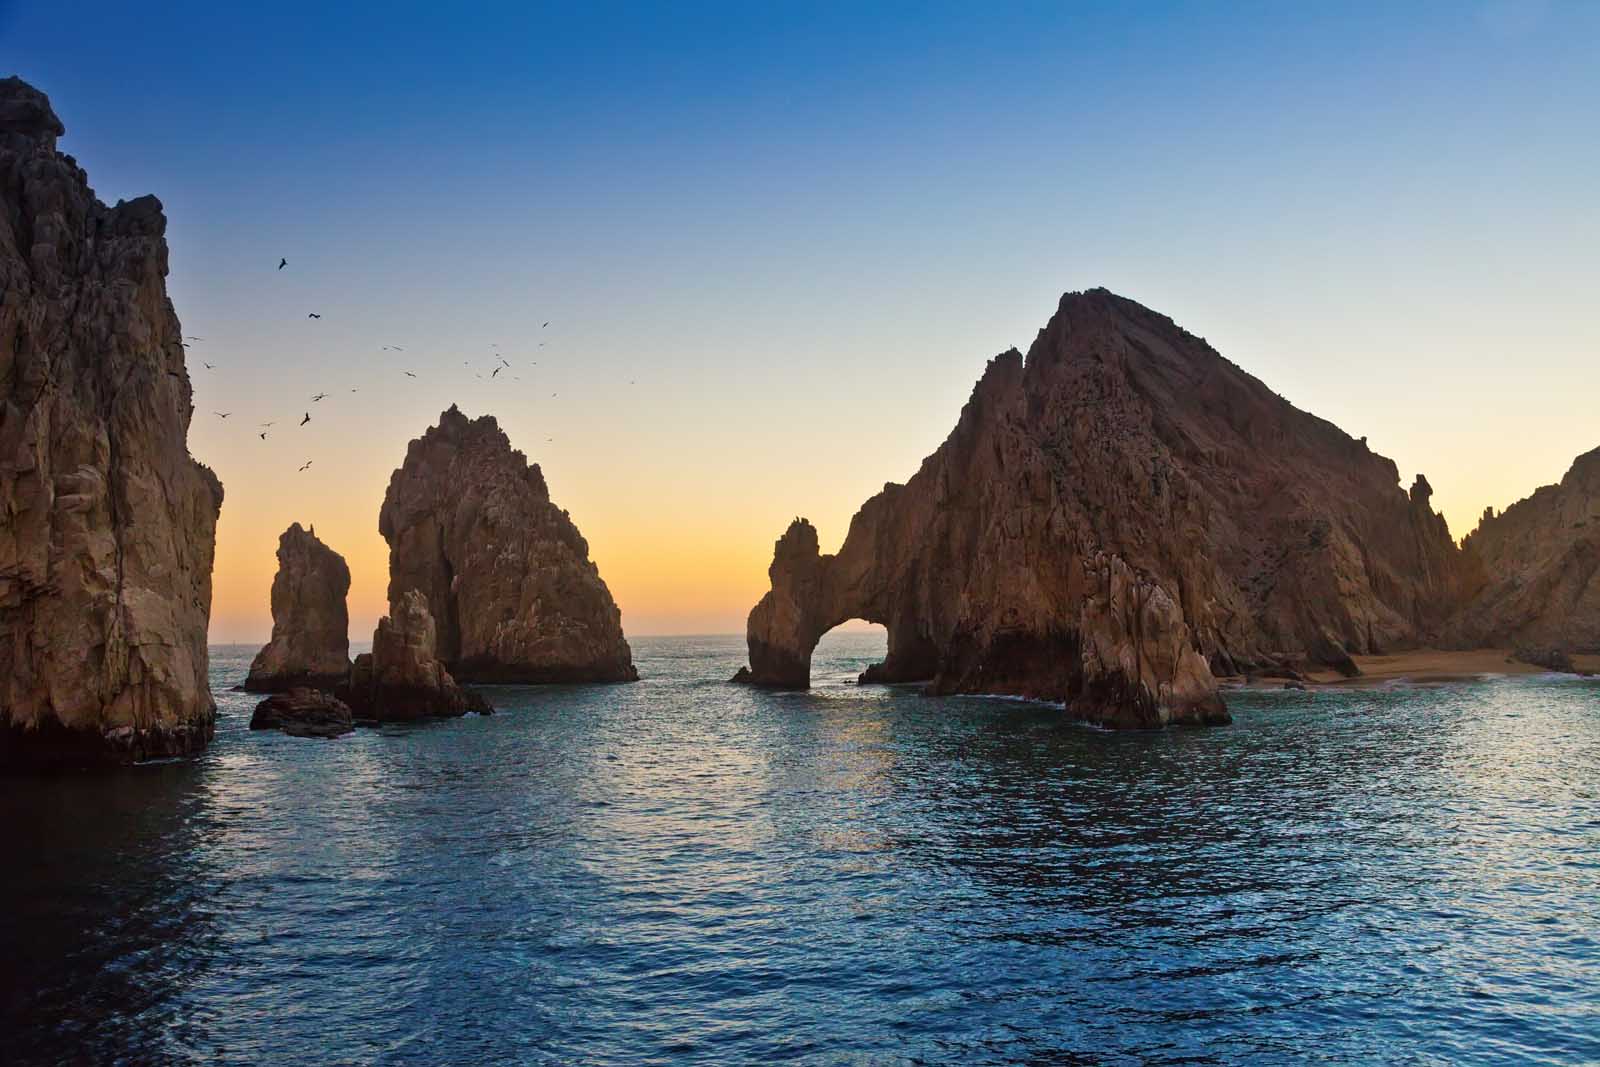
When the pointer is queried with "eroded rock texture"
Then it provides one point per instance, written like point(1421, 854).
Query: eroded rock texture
point(402, 678)
point(1116, 518)
point(303, 712)
point(107, 540)
point(1540, 566)
point(310, 643)
point(470, 524)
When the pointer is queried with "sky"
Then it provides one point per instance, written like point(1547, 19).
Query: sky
point(776, 243)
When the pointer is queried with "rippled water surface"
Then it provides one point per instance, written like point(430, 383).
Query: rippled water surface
point(684, 871)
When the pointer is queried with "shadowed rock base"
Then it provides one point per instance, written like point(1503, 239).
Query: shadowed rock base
point(56, 747)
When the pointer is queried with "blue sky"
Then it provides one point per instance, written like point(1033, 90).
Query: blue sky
point(799, 230)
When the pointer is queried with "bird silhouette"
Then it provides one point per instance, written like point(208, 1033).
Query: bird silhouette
point(282, 263)
point(306, 419)
point(318, 397)
point(503, 360)
point(497, 370)
point(207, 366)
point(306, 465)
point(222, 414)
point(410, 375)
point(262, 435)
point(194, 338)
point(352, 390)
point(542, 327)
point(313, 315)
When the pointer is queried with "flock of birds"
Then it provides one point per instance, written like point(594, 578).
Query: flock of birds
point(501, 364)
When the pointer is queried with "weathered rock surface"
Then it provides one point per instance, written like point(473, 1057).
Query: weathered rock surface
point(470, 524)
point(303, 712)
point(1114, 520)
point(106, 548)
point(402, 679)
point(1539, 562)
point(310, 643)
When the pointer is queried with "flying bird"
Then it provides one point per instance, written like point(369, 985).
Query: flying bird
point(306, 465)
point(313, 315)
point(222, 414)
point(282, 263)
point(352, 390)
point(306, 419)
point(542, 327)
point(497, 370)
point(262, 435)
point(410, 375)
point(194, 338)
point(207, 366)
point(503, 360)
point(318, 397)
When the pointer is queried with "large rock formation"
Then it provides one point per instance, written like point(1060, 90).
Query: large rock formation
point(106, 547)
point(470, 524)
point(310, 643)
point(402, 679)
point(1539, 562)
point(1116, 518)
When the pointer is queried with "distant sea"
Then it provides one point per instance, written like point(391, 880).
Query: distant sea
point(683, 871)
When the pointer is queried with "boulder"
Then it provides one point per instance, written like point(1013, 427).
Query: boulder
point(109, 531)
point(310, 643)
point(303, 712)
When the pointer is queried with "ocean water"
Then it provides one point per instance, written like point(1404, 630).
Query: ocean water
point(687, 872)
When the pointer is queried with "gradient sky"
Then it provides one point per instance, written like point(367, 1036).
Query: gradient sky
point(801, 229)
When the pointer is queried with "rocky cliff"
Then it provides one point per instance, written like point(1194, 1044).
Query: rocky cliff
point(106, 548)
point(1539, 562)
point(402, 679)
point(471, 525)
point(1117, 518)
point(310, 643)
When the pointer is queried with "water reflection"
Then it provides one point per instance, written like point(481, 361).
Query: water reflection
point(690, 872)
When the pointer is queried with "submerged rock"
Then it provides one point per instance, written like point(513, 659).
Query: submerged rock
point(471, 525)
point(1111, 518)
point(402, 679)
point(109, 531)
point(303, 712)
point(310, 643)
point(1538, 564)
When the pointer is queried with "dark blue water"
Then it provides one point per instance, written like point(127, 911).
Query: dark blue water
point(683, 871)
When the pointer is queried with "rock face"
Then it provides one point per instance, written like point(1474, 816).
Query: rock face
point(470, 524)
point(402, 679)
point(310, 643)
point(1114, 520)
point(106, 547)
point(303, 712)
point(1539, 562)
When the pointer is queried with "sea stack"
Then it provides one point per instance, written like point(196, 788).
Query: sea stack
point(1539, 562)
point(1117, 519)
point(310, 643)
point(107, 544)
point(402, 679)
point(470, 525)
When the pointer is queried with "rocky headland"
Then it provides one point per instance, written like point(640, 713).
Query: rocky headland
point(470, 525)
point(1117, 519)
point(106, 549)
point(1537, 566)
point(310, 643)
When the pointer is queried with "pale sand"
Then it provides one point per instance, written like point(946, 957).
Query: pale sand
point(1433, 665)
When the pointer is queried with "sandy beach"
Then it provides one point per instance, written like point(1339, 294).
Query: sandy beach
point(1436, 665)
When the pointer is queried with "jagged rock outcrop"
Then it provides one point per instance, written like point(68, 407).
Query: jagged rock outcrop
point(1539, 567)
point(402, 679)
point(470, 524)
point(310, 643)
point(303, 712)
point(1116, 519)
point(107, 543)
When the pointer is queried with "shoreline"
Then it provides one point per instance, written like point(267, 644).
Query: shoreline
point(1422, 666)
